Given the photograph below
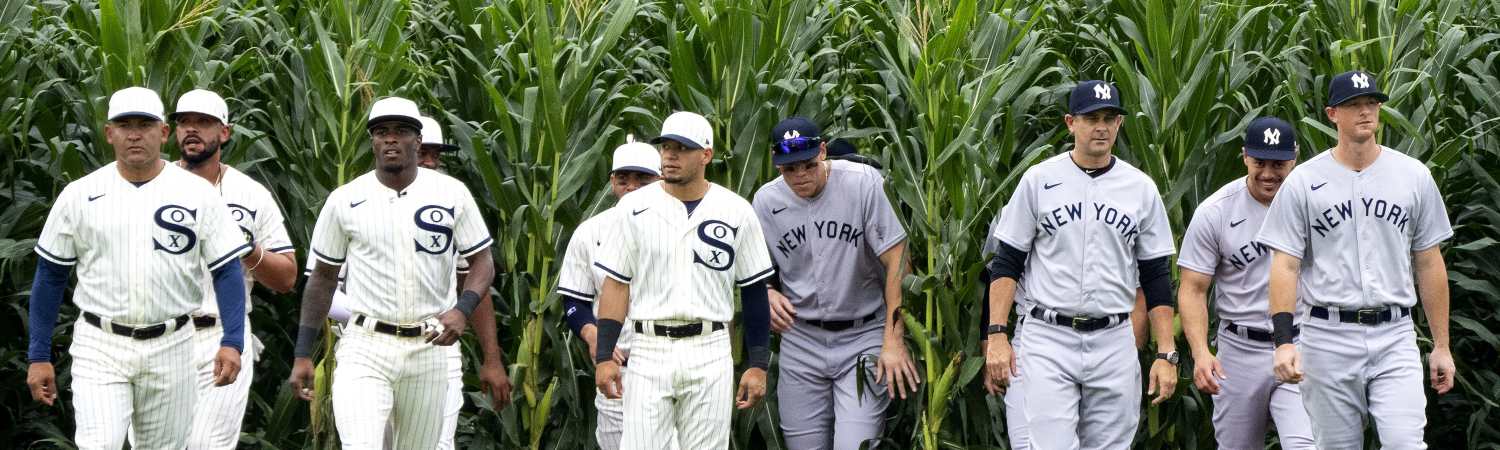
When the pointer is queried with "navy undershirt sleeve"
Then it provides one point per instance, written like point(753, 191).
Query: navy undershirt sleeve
point(229, 291)
point(578, 313)
point(1156, 282)
point(46, 299)
point(757, 317)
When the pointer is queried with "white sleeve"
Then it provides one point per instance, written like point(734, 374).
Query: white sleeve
point(219, 237)
point(576, 278)
point(470, 233)
point(56, 244)
point(617, 257)
point(330, 243)
point(754, 261)
point(271, 226)
point(1017, 227)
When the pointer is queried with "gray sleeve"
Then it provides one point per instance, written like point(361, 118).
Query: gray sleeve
point(883, 228)
point(991, 243)
point(1432, 220)
point(1199, 243)
point(1155, 240)
point(1017, 225)
point(1285, 227)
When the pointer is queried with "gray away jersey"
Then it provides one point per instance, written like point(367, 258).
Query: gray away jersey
point(1220, 242)
point(1356, 231)
point(827, 249)
point(1083, 235)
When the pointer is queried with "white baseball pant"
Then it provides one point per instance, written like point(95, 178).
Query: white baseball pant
point(1083, 389)
point(383, 378)
point(220, 410)
point(1351, 371)
point(684, 385)
point(121, 383)
point(1251, 398)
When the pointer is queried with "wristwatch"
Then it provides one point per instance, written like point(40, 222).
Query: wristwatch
point(1171, 357)
point(996, 328)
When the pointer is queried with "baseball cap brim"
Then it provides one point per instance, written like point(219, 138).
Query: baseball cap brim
point(1096, 107)
point(1377, 95)
point(636, 169)
point(443, 147)
point(1271, 154)
point(394, 117)
point(689, 143)
point(127, 115)
point(174, 115)
point(795, 157)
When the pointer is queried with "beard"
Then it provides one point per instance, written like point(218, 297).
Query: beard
point(210, 148)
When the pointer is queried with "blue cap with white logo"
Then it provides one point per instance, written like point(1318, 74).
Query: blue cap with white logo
point(1094, 95)
point(795, 139)
point(1270, 138)
point(1348, 85)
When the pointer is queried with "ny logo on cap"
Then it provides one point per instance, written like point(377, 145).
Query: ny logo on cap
point(1101, 91)
point(793, 134)
point(1272, 136)
point(1360, 80)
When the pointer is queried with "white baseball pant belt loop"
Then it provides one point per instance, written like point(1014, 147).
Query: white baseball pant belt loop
point(677, 329)
point(1362, 316)
point(137, 332)
point(394, 329)
point(1078, 323)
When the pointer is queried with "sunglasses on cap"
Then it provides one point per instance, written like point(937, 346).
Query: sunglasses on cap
point(796, 144)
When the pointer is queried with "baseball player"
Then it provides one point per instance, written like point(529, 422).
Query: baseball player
point(1080, 231)
point(1351, 230)
point(842, 149)
point(1219, 248)
point(635, 164)
point(840, 251)
point(143, 235)
point(400, 284)
point(202, 127)
point(678, 249)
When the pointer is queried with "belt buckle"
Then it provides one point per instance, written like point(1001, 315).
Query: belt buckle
point(1079, 322)
point(1367, 316)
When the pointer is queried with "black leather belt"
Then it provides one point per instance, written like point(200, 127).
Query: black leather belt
point(1256, 334)
point(1080, 323)
point(1371, 316)
point(389, 328)
point(841, 325)
point(205, 321)
point(678, 331)
point(137, 333)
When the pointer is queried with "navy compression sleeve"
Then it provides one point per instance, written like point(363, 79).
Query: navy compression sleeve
point(46, 300)
point(757, 316)
point(229, 290)
point(578, 313)
point(1156, 282)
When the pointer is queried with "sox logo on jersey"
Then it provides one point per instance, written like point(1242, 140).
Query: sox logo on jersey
point(713, 233)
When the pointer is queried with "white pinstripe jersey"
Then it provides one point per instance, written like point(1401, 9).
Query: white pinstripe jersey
point(399, 249)
point(253, 208)
point(141, 252)
point(682, 266)
point(1084, 235)
point(579, 278)
point(1355, 231)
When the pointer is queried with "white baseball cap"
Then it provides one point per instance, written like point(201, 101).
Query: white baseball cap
point(432, 134)
point(394, 108)
point(202, 102)
point(689, 129)
point(635, 156)
point(135, 101)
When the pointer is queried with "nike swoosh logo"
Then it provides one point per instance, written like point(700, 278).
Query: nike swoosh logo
point(1316, 186)
point(96, 197)
point(354, 204)
point(778, 211)
point(1050, 186)
point(637, 213)
point(1235, 224)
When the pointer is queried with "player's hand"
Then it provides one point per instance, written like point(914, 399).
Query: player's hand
point(1441, 370)
point(590, 335)
point(1163, 381)
point(43, 382)
point(607, 379)
point(895, 369)
point(1207, 372)
point(226, 366)
point(990, 385)
point(302, 378)
point(752, 388)
point(1288, 367)
point(783, 314)
point(494, 381)
point(1000, 360)
point(454, 323)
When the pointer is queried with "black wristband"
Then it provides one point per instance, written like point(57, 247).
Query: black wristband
point(307, 339)
point(1281, 328)
point(758, 357)
point(467, 301)
point(605, 337)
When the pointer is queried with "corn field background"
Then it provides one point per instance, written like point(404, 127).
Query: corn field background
point(956, 98)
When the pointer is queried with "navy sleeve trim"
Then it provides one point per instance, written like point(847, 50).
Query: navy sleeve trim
point(286, 249)
point(757, 277)
point(613, 274)
point(481, 245)
point(328, 259)
point(575, 294)
point(228, 256)
point(54, 258)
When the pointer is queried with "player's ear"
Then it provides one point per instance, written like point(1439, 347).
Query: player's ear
point(1329, 110)
point(166, 131)
point(1068, 120)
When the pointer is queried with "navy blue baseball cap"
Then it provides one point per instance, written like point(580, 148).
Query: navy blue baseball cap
point(840, 147)
point(795, 139)
point(1270, 138)
point(1094, 95)
point(1348, 85)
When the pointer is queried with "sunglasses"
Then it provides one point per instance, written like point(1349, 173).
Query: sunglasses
point(796, 144)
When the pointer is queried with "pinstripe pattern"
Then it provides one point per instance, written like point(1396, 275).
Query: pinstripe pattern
point(254, 210)
point(384, 378)
point(220, 409)
point(579, 278)
point(453, 401)
point(684, 386)
point(140, 254)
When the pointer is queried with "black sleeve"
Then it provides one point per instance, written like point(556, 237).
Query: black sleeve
point(757, 318)
point(1007, 263)
point(1156, 281)
point(984, 304)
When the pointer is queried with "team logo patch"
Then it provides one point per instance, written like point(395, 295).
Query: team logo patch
point(1272, 136)
point(1360, 80)
point(245, 218)
point(789, 135)
point(717, 235)
point(437, 222)
point(1101, 92)
point(176, 234)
